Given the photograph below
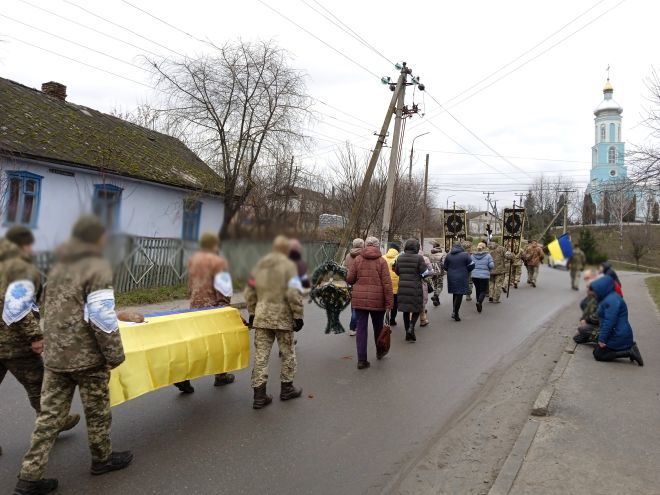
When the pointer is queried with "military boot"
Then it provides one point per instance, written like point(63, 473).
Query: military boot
point(116, 461)
point(436, 300)
point(40, 487)
point(288, 391)
point(70, 422)
point(261, 398)
point(413, 338)
point(635, 355)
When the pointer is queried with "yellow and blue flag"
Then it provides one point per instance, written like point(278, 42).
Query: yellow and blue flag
point(561, 249)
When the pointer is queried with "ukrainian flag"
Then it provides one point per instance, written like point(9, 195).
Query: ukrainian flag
point(561, 249)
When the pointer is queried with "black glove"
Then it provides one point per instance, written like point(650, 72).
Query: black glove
point(298, 324)
point(250, 321)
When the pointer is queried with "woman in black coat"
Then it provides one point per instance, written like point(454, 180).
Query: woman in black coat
point(410, 266)
point(458, 265)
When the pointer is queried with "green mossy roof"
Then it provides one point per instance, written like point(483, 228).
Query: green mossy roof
point(36, 125)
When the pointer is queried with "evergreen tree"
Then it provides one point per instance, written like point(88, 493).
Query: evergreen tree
point(656, 212)
point(587, 242)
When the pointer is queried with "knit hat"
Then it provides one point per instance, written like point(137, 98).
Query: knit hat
point(209, 241)
point(281, 245)
point(294, 245)
point(394, 245)
point(358, 243)
point(372, 241)
point(19, 235)
point(88, 228)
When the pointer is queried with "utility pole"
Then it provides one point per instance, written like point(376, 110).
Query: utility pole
point(566, 192)
point(520, 197)
point(412, 148)
point(359, 203)
point(394, 163)
point(426, 184)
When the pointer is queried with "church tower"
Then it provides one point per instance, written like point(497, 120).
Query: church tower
point(608, 152)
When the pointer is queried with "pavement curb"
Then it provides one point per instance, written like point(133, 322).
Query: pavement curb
point(509, 471)
point(542, 403)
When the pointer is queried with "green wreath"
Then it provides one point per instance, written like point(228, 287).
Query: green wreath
point(331, 292)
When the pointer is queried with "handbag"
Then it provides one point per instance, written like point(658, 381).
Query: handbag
point(383, 342)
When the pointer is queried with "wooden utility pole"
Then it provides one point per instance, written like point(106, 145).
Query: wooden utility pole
point(426, 184)
point(392, 171)
point(566, 192)
point(359, 202)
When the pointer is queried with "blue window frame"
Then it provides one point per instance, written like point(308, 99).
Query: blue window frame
point(192, 212)
point(22, 198)
point(106, 204)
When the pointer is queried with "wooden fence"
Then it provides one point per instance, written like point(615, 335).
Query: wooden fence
point(146, 262)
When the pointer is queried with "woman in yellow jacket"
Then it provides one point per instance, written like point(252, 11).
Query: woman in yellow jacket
point(393, 250)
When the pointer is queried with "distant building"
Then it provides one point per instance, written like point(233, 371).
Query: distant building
point(59, 160)
point(478, 222)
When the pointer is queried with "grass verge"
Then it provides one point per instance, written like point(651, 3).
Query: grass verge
point(653, 283)
point(153, 295)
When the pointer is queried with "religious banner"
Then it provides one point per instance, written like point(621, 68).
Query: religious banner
point(513, 225)
point(455, 222)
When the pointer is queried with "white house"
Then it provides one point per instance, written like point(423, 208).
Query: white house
point(59, 160)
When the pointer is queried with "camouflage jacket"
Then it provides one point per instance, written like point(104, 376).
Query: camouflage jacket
point(16, 339)
point(533, 256)
point(273, 293)
point(202, 268)
point(498, 254)
point(72, 344)
point(578, 261)
point(590, 310)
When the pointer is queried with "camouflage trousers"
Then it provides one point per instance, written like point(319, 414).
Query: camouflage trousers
point(495, 287)
point(438, 284)
point(516, 273)
point(263, 344)
point(470, 288)
point(532, 274)
point(56, 396)
point(575, 278)
point(29, 372)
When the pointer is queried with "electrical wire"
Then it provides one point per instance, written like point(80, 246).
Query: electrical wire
point(88, 28)
point(346, 29)
point(346, 113)
point(122, 27)
point(316, 38)
point(81, 62)
point(135, 66)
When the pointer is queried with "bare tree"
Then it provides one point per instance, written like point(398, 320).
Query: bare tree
point(619, 204)
point(645, 159)
point(641, 240)
point(545, 199)
point(235, 105)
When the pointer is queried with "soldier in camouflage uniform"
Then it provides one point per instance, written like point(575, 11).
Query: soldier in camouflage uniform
point(274, 303)
point(467, 245)
point(21, 340)
point(515, 270)
point(498, 253)
point(437, 258)
point(81, 345)
point(589, 326)
point(210, 285)
point(576, 264)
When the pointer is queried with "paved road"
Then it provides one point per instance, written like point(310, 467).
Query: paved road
point(350, 433)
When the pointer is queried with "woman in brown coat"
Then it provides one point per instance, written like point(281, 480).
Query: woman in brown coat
point(372, 295)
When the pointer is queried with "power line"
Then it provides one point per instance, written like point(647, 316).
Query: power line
point(507, 156)
point(371, 126)
point(75, 43)
point(89, 28)
point(316, 38)
point(122, 27)
point(169, 24)
point(346, 29)
point(80, 62)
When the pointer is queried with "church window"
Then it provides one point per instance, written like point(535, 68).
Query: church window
point(613, 173)
point(619, 136)
point(602, 132)
point(612, 133)
point(611, 155)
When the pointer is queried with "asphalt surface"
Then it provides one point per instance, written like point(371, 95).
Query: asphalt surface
point(350, 433)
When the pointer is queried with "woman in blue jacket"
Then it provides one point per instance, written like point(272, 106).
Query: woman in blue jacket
point(483, 264)
point(458, 265)
point(615, 339)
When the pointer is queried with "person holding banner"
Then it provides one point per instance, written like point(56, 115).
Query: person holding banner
point(210, 285)
point(533, 258)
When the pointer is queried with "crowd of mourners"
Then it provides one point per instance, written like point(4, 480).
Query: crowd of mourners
point(75, 342)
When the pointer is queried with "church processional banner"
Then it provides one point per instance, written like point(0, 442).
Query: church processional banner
point(455, 222)
point(513, 226)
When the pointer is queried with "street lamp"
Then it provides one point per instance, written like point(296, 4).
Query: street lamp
point(411, 153)
point(450, 196)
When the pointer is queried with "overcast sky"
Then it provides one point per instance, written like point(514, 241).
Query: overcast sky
point(542, 112)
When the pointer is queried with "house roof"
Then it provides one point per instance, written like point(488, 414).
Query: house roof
point(36, 125)
point(476, 214)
